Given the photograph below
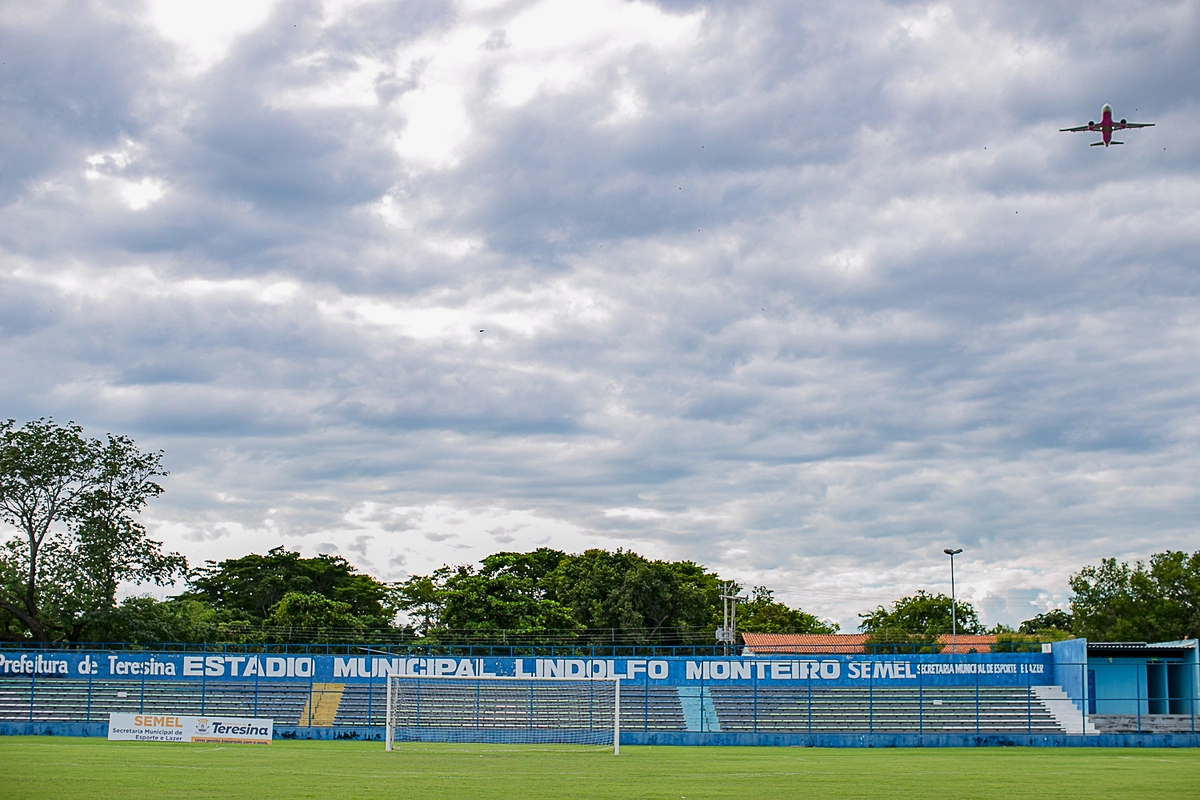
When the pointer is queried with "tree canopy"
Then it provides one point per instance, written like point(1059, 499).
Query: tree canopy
point(548, 594)
point(661, 602)
point(764, 614)
point(1154, 602)
point(251, 587)
point(1054, 622)
point(73, 501)
point(921, 617)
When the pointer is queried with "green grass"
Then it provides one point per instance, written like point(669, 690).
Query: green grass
point(48, 767)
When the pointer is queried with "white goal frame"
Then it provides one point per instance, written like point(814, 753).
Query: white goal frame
point(392, 680)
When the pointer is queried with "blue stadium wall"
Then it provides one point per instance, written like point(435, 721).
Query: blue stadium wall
point(1003, 669)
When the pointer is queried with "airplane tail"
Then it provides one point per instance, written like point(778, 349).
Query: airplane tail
point(1097, 144)
point(1116, 143)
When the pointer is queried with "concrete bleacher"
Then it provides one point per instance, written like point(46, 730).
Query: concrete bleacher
point(503, 706)
point(1146, 723)
point(654, 708)
point(78, 700)
point(883, 710)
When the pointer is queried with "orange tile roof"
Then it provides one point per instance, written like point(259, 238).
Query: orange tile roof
point(967, 642)
point(848, 643)
point(837, 643)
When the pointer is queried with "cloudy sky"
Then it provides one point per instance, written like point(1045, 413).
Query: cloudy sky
point(805, 292)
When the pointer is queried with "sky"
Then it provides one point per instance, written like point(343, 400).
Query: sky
point(804, 292)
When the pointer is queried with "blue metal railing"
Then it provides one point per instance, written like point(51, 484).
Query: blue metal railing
point(467, 650)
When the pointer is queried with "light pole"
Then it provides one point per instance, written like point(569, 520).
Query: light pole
point(953, 602)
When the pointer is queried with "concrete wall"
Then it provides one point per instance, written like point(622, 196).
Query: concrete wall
point(1120, 685)
point(1070, 669)
point(983, 669)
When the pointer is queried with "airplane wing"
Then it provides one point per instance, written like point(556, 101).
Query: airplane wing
point(1137, 124)
point(1075, 130)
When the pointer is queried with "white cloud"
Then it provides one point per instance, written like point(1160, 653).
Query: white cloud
point(206, 30)
point(143, 193)
point(549, 48)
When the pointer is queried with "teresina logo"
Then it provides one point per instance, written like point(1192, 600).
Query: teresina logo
point(236, 730)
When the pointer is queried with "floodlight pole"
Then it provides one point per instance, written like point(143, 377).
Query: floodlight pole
point(953, 602)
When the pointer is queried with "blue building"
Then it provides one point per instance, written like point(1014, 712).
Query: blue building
point(1131, 681)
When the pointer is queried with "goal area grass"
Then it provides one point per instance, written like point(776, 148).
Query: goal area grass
point(51, 767)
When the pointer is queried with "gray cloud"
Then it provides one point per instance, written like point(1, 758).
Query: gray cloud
point(752, 290)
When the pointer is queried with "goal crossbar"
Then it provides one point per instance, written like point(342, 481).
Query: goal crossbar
point(503, 708)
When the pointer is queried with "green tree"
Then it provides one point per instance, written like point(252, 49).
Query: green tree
point(481, 604)
point(918, 619)
point(73, 501)
point(314, 617)
point(251, 586)
point(422, 597)
point(546, 595)
point(1159, 601)
point(145, 619)
point(764, 614)
point(505, 598)
point(658, 602)
point(1055, 620)
point(533, 566)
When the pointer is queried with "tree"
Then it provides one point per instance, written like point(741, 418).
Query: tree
point(652, 602)
point(145, 619)
point(546, 595)
point(73, 501)
point(482, 604)
point(763, 614)
point(1159, 601)
point(250, 587)
point(921, 618)
point(422, 598)
point(505, 599)
point(533, 566)
point(313, 617)
point(1055, 620)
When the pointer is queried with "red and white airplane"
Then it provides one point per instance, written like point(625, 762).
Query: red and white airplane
point(1106, 127)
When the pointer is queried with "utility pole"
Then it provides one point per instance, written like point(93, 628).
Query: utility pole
point(727, 633)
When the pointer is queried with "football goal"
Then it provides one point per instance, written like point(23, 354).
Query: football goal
point(504, 710)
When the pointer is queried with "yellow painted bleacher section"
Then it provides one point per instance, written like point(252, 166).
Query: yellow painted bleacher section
point(322, 705)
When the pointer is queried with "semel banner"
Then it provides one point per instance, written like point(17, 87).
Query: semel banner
point(178, 728)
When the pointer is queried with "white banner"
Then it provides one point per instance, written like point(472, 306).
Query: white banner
point(177, 728)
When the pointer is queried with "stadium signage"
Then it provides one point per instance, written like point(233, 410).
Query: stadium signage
point(996, 669)
point(249, 666)
point(119, 666)
point(36, 665)
point(179, 728)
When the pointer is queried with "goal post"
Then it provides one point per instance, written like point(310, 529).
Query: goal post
point(503, 710)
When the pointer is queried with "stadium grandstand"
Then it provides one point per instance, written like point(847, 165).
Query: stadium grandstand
point(779, 689)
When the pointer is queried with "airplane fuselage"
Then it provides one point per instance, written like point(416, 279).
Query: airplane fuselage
point(1106, 124)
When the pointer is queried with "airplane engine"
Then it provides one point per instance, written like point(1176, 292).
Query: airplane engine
point(1123, 122)
point(1090, 123)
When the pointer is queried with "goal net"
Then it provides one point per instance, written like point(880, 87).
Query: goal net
point(504, 710)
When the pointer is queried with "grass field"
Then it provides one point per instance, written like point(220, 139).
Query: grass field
point(48, 767)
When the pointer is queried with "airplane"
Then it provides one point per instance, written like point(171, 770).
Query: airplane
point(1107, 126)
